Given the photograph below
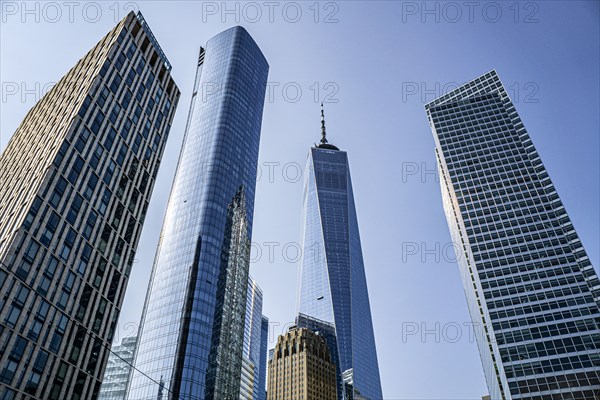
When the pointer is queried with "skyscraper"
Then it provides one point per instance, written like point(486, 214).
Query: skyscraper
point(253, 346)
point(264, 348)
point(530, 287)
point(76, 177)
point(333, 286)
point(211, 200)
point(302, 368)
point(327, 331)
point(118, 370)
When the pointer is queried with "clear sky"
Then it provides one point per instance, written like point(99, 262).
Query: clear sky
point(374, 64)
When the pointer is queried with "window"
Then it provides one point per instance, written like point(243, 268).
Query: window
point(89, 225)
point(126, 99)
point(130, 78)
point(110, 138)
point(122, 154)
point(13, 360)
point(91, 186)
point(35, 207)
point(13, 315)
point(8, 372)
point(114, 114)
point(83, 302)
point(68, 244)
point(84, 259)
point(31, 251)
point(59, 190)
point(110, 170)
point(97, 122)
point(140, 67)
point(120, 61)
point(61, 154)
point(76, 170)
point(74, 210)
point(114, 86)
point(63, 299)
point(136, 144)
point(140, 94)
point(84, 107)
point(104, 201)
point(146, 130)
point(137, 113)
point(131, 51)
point(50, 229)
point(82, 140)
point(104, 93)
point(95, 159)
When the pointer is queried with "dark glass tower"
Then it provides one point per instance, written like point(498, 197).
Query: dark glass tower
point(333, 286)
point(531, 289)
point(179, 332)
point(264, 348)
point(76, 179)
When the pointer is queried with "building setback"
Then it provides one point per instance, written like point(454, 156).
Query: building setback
point(302, 368)
point(118, 370)
point(202, 256)
point(531, 289)
point(77, 176)
point(333, 287)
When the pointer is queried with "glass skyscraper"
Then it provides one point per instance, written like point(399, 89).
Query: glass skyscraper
point(264, 348)
point(531, 289)
point(77, 176)
point(212, 198)
point(333, 286)
point(255, 351)
point(118, 370)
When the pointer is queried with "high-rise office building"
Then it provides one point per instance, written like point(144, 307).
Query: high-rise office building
point(327, 330)
point(212, 197)
point(76, 177)
point(333, 286)
point(253, 346)
point(118, 370)
point(530, 287)
point(264, 348)
point(302, 368)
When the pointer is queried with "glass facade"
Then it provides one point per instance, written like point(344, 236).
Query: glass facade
point(227, 347)
point(253, 333)
point(218, 156)
point(77, 176)
point(118, 370)
point(333, 286)
point(264, 348)
point(531, 289)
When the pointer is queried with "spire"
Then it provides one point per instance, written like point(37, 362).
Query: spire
point(324, 144)
point(323, 134)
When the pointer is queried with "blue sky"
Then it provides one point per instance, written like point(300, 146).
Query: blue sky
point(374, 64)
